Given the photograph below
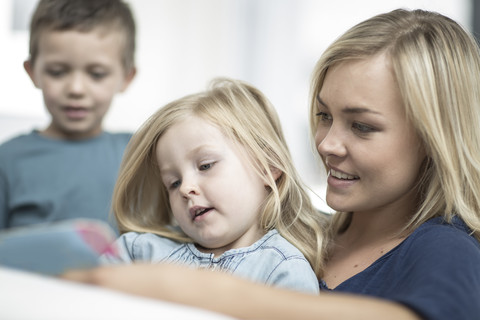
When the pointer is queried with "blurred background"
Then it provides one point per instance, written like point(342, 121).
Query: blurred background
point(183, 44)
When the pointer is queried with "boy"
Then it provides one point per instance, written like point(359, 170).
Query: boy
point(81, 55)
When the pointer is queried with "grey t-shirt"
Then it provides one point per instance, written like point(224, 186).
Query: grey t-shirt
point(43, 179)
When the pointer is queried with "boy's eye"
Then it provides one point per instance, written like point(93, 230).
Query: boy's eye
point(56, 72)
point(97, 75)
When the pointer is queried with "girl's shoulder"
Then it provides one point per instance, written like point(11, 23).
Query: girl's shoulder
point(147, 246)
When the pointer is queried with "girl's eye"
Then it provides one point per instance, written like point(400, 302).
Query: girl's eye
point(175, 184)
point(206, 166)
point(362, 128)
point(324, 116)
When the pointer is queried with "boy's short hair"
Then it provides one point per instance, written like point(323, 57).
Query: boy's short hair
point(83, 15)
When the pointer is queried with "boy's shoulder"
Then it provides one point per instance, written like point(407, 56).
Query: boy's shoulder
point(35, 138)
point(32, 143)
point(120, 136)
point(18, 142)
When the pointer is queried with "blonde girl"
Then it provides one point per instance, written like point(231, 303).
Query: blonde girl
point(158, 196)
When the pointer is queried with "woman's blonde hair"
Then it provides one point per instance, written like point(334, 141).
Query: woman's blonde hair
point(242, 113)
point(436, 64)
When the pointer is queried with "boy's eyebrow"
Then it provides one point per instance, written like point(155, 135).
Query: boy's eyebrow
point(349, 109)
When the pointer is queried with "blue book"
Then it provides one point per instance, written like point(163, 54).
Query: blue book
point(53, 248)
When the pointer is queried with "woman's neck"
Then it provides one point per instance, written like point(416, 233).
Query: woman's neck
point(368, 237)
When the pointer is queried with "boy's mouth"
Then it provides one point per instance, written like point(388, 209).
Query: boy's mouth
point(76, 113)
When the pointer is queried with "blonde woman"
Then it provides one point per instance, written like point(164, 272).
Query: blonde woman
point(395, 113)
point(208, 182)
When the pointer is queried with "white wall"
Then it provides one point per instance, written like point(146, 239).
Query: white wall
point(182, 44)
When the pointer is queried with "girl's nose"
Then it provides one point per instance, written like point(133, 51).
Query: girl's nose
point(189, 188)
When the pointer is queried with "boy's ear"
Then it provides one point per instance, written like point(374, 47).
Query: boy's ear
point(27, 65)
point(128, 79)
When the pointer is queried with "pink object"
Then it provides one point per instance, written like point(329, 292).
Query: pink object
point(100, 239)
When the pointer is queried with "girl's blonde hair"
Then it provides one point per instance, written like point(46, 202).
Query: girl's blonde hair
point(242, 113)
point(436, 64)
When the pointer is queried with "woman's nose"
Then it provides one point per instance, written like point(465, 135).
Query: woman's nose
point(331, 141)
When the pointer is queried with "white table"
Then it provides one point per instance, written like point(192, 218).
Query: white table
point(25, 296)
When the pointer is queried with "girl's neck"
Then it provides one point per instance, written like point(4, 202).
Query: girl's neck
point(243, 242)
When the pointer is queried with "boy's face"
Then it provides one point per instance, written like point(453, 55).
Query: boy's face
point(79, 73)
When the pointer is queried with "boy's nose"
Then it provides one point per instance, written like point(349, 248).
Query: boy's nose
point(76, 84)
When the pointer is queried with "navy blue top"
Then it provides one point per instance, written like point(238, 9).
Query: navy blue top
point(435, 272)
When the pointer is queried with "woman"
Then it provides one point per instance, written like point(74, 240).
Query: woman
point(395, 110)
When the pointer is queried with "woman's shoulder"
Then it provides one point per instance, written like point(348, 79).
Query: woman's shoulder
point(439, 230)
point(440, 240)
point(439, 267)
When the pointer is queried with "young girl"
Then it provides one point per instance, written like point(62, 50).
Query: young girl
point(395, 113)
point(208, 181)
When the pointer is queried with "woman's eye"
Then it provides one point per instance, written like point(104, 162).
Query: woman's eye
point(324, 116)
point(362, 128)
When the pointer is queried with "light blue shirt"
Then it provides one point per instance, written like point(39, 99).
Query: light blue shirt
point(271, 260)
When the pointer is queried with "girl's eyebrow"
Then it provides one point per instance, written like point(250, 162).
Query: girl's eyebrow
point(165, 171)
point(349, 110)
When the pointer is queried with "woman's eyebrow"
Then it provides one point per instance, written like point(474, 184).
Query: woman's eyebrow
point(349, 110)
point(321, 101)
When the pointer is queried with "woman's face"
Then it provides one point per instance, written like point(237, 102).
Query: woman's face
point(371, 151)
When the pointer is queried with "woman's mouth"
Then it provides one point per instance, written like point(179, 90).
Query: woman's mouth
point(342, 175)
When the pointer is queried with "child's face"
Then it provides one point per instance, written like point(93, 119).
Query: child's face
point(372, 151)
point(79, 73)
point(214, 192)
